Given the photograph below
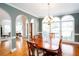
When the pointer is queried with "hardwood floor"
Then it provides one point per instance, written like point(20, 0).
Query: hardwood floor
point(22, 49)
point(70, 50)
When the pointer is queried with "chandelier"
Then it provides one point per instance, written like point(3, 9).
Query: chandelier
point(49, 18)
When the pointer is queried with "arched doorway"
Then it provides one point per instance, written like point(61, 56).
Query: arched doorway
point(22, 26)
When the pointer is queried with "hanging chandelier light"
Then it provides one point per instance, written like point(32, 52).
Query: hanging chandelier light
point(48, 18)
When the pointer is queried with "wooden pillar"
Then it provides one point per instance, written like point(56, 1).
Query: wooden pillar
point(31, 34)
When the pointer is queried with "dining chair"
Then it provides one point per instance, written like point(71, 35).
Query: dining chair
point(56, 50)
point(38, 40)
point(55, 44)
point(31, 48)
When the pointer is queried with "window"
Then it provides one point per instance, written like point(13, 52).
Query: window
point(54, 28)
point(68, 28)
point(57, 26)
point(6, 26)
point(19, 27)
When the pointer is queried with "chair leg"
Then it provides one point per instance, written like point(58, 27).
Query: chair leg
point(29, 53)
point(59, 52)
point(33, 52)
point(37, 53)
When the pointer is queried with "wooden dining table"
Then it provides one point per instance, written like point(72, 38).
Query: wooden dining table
point(45, 46)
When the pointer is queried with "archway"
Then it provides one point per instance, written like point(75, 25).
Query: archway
point(22, 26)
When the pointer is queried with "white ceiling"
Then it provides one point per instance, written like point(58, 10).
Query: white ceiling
point(41, 9)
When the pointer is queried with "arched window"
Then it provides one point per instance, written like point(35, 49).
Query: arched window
point(53, 27)
point(68, 27)
point(63, 27)
point(45, 26)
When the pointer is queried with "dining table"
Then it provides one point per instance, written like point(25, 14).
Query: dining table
point(44, 45)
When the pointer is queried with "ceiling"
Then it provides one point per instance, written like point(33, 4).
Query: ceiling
point(42, 9)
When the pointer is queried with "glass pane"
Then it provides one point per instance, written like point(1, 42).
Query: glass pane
point(19, 28)
point(56, 19)
point(45, 27)
point(67, 30)
point(68, 18)
point(53, 28)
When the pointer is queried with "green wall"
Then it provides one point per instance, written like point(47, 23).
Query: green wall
point(76, 16)
point(40, 24)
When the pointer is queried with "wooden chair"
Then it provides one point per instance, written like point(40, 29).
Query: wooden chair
point(55, 52)
point(38, 39)
point(31, 48)
point(55, 45)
